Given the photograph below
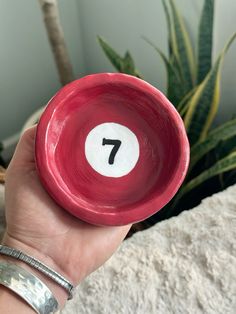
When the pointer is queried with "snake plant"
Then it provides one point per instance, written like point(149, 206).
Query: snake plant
point(193, 86)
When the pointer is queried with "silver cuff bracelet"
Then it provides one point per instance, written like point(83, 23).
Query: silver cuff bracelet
point(29, 287)
point(41, 267)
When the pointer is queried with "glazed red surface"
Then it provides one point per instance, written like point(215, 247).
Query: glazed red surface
point(75, 185)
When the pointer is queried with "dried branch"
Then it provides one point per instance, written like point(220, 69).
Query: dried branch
point(2, 175)
point(57, 40)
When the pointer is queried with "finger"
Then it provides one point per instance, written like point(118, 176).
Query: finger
point(24, 153)
point(117, 234)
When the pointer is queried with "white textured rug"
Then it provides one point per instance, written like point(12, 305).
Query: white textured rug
point(184, 265)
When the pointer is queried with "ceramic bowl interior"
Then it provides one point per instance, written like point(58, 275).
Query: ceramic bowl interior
point(123, 100)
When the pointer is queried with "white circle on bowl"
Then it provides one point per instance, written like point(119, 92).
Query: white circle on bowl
point(112, 149)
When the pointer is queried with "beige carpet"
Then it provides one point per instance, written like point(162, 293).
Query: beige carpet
point(184, 265)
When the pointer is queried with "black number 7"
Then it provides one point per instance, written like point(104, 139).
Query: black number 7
point(114, 150)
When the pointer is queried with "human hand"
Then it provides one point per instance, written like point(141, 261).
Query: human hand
point(39, 227)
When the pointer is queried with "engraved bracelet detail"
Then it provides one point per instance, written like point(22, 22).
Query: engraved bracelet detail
point(28, 287)
point(41, 267)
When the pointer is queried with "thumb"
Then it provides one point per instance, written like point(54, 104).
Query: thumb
point(24, 153)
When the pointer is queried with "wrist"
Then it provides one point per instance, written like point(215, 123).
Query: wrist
point(10, 302)
point(59, 292)
point(59, 257)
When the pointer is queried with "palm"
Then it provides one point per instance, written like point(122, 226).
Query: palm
point(39, 222)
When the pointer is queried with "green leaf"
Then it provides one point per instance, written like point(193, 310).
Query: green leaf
point(169, 27)
point(174, 84)
point(130, 68)
point(182, 107)
point(182, 48)
point(205, 40)
point(223, 165)
point(128, 64)
point(225, 147)
point(203, 105)
point(229, 178)
point(123, 65)
point(221, 133)
point(111, 54)
point(175, 90)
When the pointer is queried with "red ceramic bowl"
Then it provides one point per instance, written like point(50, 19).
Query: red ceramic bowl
point(111, 149)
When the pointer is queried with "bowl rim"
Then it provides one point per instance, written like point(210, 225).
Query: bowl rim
point(140, 211)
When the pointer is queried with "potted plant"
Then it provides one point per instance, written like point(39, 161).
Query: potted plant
point(193, 86)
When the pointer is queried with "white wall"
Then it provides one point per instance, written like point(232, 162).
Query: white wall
point(28, 76)
point(123, 22)
point(225, 26)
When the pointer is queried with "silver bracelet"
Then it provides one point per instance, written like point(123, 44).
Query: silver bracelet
point(63, 282)
point(29, 287)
